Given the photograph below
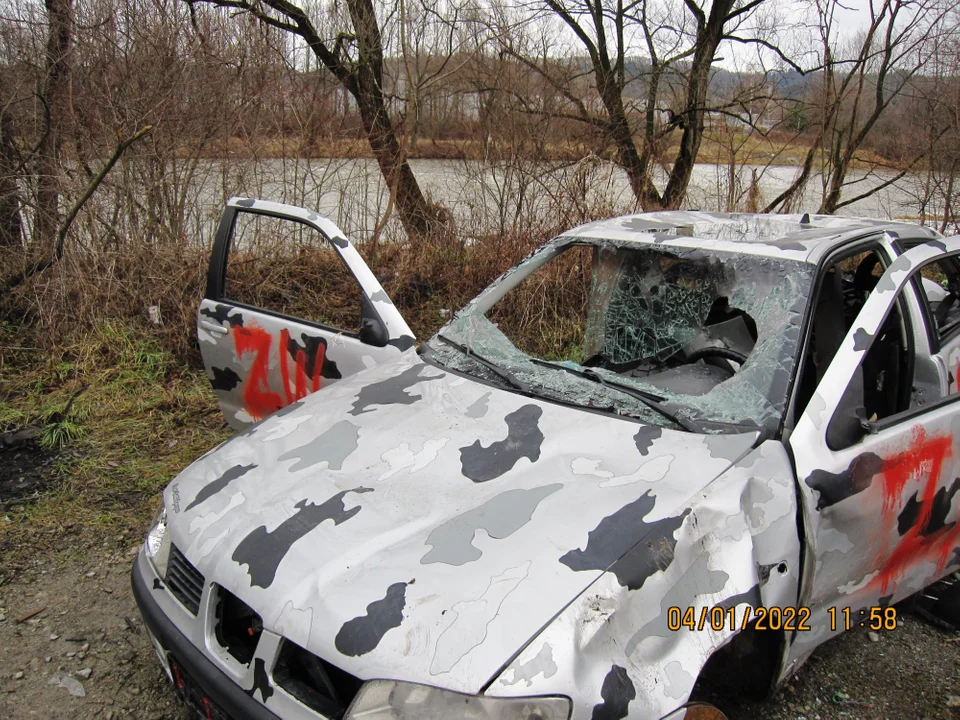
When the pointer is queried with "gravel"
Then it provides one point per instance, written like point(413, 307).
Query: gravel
point(912, 672)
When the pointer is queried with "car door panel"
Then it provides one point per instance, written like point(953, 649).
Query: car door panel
point(878, 515)
point(259, 360)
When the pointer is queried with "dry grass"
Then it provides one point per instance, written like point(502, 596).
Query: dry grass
point(69, 303)
point(546, 315)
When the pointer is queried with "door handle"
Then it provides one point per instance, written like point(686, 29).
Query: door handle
point(213, 327)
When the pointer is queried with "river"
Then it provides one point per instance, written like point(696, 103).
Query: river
point(487, 199)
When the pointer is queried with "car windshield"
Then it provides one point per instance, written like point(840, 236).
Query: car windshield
point(689, 338)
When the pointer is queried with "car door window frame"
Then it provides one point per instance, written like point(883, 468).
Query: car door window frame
point(935, 335)
point(912, 413)
point(217, 276)
point(889, 253)
point(893, 419)
point(812, 425)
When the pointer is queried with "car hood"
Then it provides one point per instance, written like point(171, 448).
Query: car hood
point(415, 524)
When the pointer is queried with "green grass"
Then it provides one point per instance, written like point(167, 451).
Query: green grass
point(57, 435)
point(136, 419)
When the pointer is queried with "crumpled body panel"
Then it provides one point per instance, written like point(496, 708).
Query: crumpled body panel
point(736, 547)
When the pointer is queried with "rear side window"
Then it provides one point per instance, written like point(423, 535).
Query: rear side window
point(288, 268)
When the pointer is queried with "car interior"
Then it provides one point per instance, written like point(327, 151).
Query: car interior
point(683, 333)
point(881, 385)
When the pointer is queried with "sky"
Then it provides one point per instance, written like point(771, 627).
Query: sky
point(851, 17)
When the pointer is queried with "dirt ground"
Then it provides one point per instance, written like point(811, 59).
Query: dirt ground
point(90, 623)
point(90, 630)
point(88, 634)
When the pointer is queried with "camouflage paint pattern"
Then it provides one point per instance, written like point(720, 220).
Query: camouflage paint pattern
point(413, 524)
point(317, 541)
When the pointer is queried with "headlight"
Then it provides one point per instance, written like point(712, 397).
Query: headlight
point(392, 700)
point(157, 546)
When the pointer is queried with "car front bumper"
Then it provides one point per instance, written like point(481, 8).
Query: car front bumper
point(187, 662)
point(170, 642)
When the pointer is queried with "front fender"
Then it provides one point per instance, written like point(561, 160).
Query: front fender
point(613, 647)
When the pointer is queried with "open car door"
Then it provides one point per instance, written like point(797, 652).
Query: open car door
point(877, 453)
point(290, 307)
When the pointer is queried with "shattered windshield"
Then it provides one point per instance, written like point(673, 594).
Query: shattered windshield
point(677, 337)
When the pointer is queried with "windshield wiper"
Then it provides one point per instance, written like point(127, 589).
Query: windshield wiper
point(505, 375)
point(650, 400)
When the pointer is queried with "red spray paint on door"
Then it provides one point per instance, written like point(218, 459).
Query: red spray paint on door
point(922, 462)
point(258, 399)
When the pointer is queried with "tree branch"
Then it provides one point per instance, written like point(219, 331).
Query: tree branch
point(41, 265)
point(94, 184)
point(770, 46)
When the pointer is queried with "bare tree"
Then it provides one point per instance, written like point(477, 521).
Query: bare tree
point(858, 82)
point(59, 187)
point(356, 60)
point(11, 221)
point(54, 97)
point(649, 64)
point(933, 108)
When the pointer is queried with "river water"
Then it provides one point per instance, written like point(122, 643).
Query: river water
point(485, 198)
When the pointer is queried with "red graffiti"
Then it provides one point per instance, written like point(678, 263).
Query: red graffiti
point(924, 458)
point(301, 363)
point(921, 462)
point(258, 399)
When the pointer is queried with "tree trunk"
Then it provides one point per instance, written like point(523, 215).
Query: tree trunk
point(948, 199)
point(709, 35)
point(54, 96)
point(635, 166)
point(11, 228)
point(838, 174)
point(367, 88)
point(785, 199)
point(618, 128)
point(415, 212)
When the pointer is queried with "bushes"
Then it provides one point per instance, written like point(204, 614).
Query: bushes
point(91, 290)
point(114, 289)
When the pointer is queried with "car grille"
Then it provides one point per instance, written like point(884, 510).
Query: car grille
point(184, 580)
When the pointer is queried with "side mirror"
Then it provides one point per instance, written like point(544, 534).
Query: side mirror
point(373, 332)
point(849, 423)
point(848, 426)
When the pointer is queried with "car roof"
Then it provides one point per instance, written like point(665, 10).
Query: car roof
point(806, 238)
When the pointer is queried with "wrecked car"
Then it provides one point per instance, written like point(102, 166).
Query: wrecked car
point(662, 448)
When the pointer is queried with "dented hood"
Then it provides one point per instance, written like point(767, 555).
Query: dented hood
point(415, 524)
